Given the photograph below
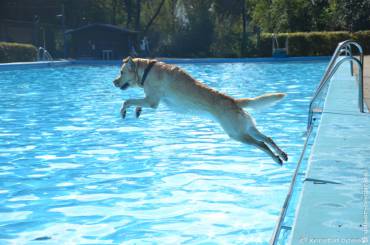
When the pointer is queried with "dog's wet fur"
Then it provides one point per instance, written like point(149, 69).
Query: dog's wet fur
point(182, 93)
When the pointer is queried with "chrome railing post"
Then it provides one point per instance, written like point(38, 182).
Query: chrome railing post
point(361, 86)
point(350, 54)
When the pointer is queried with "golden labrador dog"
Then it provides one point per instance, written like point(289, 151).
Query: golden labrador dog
point(169, 84)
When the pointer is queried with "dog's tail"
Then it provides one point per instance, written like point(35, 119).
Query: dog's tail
point(260, 102)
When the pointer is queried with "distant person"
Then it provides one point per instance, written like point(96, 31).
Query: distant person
point(144, 46)
point(133, 51)
point(92, 48)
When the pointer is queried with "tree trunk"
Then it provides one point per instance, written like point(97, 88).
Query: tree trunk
point(114, 11)
point(244, 34)
point(151, 21)
point(173, 14)
point(138, 15)
point(128, 5)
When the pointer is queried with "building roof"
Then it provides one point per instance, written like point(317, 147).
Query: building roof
point(107, 26)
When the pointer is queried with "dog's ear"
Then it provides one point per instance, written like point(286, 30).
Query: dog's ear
point(130, 63)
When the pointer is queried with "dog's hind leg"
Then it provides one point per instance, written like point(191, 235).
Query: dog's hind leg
point(253, 131)
point(240, 126)
point(138, 111)
point(262, 146)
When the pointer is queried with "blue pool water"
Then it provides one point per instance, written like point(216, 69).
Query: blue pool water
point(73, 172)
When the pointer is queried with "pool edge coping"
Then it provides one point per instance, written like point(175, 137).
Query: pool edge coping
point(43, 64)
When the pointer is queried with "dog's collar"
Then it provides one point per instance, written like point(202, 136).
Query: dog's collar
point(146, 72)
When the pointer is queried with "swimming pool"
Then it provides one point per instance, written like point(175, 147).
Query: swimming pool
point(72, 171)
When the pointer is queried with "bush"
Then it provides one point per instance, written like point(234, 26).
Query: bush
point(17, 52)
point(363, 38)
point(309, 43)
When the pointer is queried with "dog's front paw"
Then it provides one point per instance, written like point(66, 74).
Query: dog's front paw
point(278, 160)
point(123, 113)
point(138, 111)
point(284, 156)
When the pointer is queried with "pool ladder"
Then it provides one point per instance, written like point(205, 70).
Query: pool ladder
point(345, 48)
point(342, 53)
point(43, 55)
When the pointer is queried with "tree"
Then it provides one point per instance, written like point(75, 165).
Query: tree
point(195, 38)
point(234, 11)
point(355, 14)
point(114, 11)
point(138, 15)
point(197, 27)
point(320, 16)
point(128, 7)
point(154, 17)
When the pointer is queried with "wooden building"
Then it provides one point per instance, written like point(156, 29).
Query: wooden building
point(100, 41)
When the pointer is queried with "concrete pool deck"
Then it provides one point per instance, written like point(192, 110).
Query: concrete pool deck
point(334, 203)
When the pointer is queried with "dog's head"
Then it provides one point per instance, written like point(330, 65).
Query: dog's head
point(128, 76)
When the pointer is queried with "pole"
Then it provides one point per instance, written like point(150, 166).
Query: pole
point(64, 33)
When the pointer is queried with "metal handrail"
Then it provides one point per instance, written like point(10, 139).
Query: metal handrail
point(345, 45)
point(43, 55)
point(333, 67)
point(329, 72)
point(284, 209)
point(360, 90)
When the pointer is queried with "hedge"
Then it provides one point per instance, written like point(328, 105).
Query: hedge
point(310, 43)
point(17, 52)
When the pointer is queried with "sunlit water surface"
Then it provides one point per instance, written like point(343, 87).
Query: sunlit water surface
point(73, 172)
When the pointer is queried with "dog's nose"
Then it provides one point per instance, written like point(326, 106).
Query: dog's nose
point(115, 82)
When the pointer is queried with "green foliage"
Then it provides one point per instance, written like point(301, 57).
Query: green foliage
point(303, 19)
point(309, 43)
point(16, 52)
point(193, 38)
point(315, 15)
point(354, 14)
point(226, 38)
point(197, 28)
point(363, 38)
